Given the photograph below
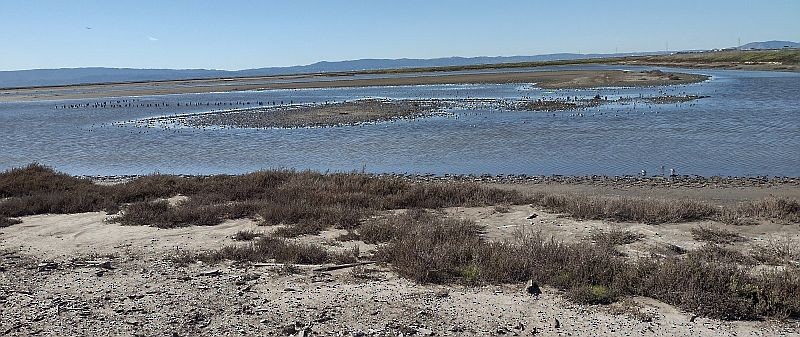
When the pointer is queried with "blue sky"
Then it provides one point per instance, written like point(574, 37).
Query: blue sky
point(251, 34)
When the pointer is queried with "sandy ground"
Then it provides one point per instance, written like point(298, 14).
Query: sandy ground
point(51, 282)
point(336, 114)
point(373, 110)
point(546, 79)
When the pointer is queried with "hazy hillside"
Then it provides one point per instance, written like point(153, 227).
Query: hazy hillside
point(770, 45)
point(42, 77)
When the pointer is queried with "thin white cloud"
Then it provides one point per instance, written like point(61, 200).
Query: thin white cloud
point(152, 38)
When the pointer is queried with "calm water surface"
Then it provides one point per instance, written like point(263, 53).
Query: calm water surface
point(750, 125)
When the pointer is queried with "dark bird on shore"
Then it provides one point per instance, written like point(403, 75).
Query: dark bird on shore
point(533, 288)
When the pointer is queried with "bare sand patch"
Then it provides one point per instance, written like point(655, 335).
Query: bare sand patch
point(144, 293)
point(60, 236)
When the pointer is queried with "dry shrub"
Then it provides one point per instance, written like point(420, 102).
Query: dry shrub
point(39, 179)
point(147, 188)
point(162, 215)
point(734, 218)
point(38, 189)
point(715, 254)
point(429, 249)
point(502, 208)
point(307, 201)
point(269, 249)
point(351, 235)
point(66, 202)
point(708, 282)
point(780, 209)
point(778, 251)
point(592, 294)
point(246, 235)
point(365, 273)
point(295, 230)
point(5, 222)
point(388, 228)
point(652, 211)
point(715, 235)
point(615, 237)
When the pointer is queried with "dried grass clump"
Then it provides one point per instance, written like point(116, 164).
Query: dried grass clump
point(778, 251)
point(269, 249)
point(304, 202)
point(709, 282)
point(780, 209)
point(5, 222)
point(615, 237)
point(715, 235)
point(652, 211)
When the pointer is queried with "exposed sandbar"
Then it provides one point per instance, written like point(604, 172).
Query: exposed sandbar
point(545, 79)
point(345, 113)
point(380, 110)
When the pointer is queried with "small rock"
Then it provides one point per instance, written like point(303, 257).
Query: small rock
point(297, 329)
point(457, 328)
point(533, 216)
point(424, 331)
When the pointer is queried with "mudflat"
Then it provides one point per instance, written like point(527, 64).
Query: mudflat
point(544, 79)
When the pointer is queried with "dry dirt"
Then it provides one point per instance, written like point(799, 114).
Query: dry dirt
point(81, 275)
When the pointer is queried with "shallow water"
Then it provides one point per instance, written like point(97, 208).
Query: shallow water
point(750, 125)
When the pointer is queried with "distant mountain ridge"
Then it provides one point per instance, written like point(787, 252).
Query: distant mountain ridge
point(67, 76)
point(769, 45)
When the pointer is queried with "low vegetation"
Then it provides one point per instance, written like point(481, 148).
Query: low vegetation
point(269, 249)
point(430, 248)
point(710, 282)
point(626, 209)
point(778, 251)
point(615, 237)
point(246, 235)
point(715, 235)
point(303, 202)
point(308, 202)
point(785, 57)
point(777, 209)
point(5, 222)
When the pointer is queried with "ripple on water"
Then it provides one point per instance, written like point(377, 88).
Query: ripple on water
point(748, 126)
